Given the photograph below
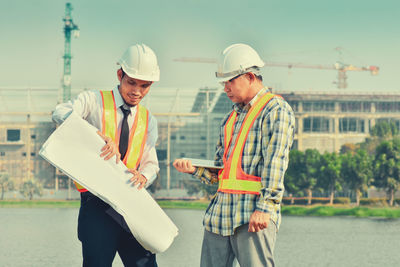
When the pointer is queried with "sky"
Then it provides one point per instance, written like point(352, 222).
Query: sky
point(286, 31)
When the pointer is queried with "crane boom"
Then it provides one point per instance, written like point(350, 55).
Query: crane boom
point(69, 28)
point(338, 66)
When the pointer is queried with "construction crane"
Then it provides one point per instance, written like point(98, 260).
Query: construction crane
point(69, 28)
point(338, 66)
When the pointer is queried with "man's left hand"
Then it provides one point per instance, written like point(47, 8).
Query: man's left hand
point(258, 221)
point(137, 178)
point(110, 149)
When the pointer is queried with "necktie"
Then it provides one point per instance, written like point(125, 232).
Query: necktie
point(124, 137)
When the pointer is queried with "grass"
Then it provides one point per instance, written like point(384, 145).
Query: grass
point(315, 210)
point(321, 210)
point(166, 204)
point(179, 204)
point(39, 203)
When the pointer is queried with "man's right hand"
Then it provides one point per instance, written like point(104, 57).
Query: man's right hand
point(184, 165)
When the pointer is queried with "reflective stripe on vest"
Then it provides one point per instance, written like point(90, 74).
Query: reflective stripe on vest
point(232, 178)
point(137, 136)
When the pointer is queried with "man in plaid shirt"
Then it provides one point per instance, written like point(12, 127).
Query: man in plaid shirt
point(255, 138)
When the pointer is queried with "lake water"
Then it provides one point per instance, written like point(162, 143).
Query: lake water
point(47, 237)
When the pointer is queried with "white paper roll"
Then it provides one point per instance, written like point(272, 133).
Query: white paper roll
point(74, 148)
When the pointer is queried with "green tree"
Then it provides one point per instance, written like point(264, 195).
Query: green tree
point(30, 188)
point(357, 171)
point(6, 184)
point(348, 147)
point(387, 167)
point(380, 132)
point(295, 170)
point(330, 179)
point(308, 174)
point(384, 129)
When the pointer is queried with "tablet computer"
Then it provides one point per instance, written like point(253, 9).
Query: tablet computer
point(211, 164)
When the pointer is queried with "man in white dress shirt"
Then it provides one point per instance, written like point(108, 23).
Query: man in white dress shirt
point(130, 134)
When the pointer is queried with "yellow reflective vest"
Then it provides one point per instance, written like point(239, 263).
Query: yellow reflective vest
point(137, 136)
point(232, 179)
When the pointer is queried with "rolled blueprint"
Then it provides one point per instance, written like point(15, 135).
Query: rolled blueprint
point(74, 148)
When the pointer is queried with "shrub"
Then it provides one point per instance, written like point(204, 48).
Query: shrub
point(301, 201)
point(304, 200)
point(380, 202)
point(286, 201)
point(320, 200)
point(341, 200)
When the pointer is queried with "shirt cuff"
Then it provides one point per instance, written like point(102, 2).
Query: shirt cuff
point(266, 206)
point(205, 175)
point(198, 172)
point(150, 178)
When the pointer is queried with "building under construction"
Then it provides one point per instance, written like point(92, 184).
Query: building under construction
point(188, 119)
point(324, 121)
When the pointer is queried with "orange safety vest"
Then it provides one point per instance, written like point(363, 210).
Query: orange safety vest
point(138, 131)
point(232, 179)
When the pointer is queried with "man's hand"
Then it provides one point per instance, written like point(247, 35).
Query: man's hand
point(258, 221)
point(184, 165)
point(137, 178)
point(110, 149)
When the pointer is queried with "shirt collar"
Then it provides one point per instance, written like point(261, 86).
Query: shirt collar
point(239, 107)
point(118, 98)
point(119, 101)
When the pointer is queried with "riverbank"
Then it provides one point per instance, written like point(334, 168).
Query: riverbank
point(165, 204)
point(321, 210)
point(39, 203)
point(314, 210)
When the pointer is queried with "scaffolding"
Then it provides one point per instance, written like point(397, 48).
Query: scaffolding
point(188, 125)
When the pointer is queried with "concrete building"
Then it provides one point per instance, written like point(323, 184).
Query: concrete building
point(20, 143)
point(324, 121)
point(25, 124)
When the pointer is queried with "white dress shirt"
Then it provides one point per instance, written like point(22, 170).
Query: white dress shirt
point(89, 106)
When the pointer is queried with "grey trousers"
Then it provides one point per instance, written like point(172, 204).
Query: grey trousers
point(250, 249)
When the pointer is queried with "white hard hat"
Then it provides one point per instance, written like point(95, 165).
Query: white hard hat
point(140, 62)
point(237, 59)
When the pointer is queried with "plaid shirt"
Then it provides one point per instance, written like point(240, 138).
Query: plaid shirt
point(265, 154)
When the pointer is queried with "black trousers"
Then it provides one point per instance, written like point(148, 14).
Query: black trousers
point(102, 237)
